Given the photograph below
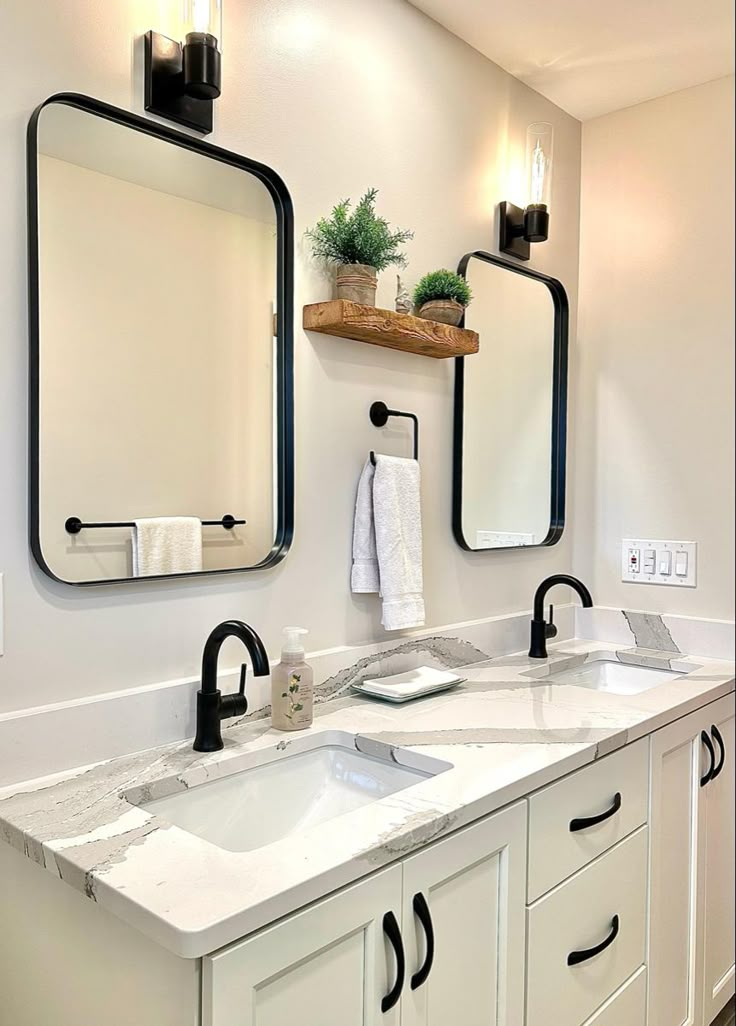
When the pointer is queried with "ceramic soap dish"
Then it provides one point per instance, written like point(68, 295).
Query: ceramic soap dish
point(405, 687)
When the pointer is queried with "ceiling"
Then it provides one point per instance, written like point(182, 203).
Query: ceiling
point(591, 57)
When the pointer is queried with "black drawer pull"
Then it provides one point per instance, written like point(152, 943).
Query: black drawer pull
point(576, 957)
point(421, 911)
point(705, 738)
point(393, 933)
point(720, 742)
point(591, 821)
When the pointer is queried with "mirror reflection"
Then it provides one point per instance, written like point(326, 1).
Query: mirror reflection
point(511, 409)
point(158, 388)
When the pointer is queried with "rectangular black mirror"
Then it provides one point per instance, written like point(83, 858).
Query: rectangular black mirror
point(161, 319)
point(511, 409)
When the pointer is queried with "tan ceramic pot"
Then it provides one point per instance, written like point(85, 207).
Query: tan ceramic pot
point(357, 282)
point(446, 311)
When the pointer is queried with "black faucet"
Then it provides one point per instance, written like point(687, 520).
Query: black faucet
point(541, 630)
point(212, 706)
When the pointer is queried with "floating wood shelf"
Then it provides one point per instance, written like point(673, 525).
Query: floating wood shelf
point(391, 330)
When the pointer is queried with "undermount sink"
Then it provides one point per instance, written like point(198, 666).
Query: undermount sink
point(603, 673)
point(289, 788)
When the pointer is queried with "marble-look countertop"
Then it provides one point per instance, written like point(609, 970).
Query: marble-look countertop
point(504, 733)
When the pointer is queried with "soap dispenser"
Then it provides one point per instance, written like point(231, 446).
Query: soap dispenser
point(292, 683)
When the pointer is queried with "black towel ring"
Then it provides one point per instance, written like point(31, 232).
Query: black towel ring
point(380, 413)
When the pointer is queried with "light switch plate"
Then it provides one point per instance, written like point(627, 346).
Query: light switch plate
point(635, 572)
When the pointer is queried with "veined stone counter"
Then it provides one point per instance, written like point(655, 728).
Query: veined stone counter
point(505, 734)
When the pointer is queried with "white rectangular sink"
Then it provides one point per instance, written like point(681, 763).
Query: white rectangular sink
point(618, 678)
point(603, 672)
point(290, 788)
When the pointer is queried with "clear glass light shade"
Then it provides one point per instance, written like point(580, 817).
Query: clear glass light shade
point(539, 147)
point(203, 16)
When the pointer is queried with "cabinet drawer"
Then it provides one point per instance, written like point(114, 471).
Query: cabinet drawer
point(577, 917)
point(627, 1007)
point(555, 850)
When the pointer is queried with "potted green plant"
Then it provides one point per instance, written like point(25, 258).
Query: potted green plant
point(442, 296)
point(359, 244)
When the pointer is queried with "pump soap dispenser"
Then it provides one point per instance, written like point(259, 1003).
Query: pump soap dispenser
point(292, 682)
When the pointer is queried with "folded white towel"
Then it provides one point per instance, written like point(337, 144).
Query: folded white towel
point(364, 578)
point(388, 522)
point(167, 545)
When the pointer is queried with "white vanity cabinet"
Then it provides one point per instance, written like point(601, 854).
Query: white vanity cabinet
point(458, 907)
point(691, 937)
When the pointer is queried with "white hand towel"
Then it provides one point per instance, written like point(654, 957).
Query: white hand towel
point(398, 523)
point(167, 545)
point(364, 578)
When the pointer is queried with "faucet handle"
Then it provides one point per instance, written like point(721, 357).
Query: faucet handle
point(550, 630)
point(235, 705)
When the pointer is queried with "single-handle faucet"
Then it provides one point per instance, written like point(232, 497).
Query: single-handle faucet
point(212, 706)
point(541, 629)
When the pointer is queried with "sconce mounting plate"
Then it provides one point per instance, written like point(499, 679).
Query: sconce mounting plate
point(511, 232)
point(164, 76)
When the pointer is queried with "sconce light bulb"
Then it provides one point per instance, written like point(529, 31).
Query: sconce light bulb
point(204, 17)
point(537, 173)
point(201, 16)
point(539, 144)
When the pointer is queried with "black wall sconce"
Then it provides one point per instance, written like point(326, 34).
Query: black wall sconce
point(183, 79)
point(519, 227)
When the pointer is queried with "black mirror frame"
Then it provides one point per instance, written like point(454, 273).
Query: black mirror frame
point(284, 371)
point(559, 411)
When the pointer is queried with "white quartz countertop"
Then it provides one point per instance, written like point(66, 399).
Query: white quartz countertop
point(504, 733)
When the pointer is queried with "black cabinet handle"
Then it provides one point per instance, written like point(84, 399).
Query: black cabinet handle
point(705, 738)
point(421, 911)
point(576, 957)
point(720, 742)
point(591, 821)
point(393, 934)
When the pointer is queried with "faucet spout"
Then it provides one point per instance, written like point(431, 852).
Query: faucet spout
point(541, 630)
point(212, 705)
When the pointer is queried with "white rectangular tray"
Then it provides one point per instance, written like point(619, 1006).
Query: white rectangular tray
point(434, 682)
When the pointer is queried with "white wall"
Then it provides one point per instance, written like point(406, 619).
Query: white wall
point(337, 95)
point(655, 443)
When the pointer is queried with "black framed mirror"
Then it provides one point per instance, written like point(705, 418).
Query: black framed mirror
point(510, 422)
point(161, 350)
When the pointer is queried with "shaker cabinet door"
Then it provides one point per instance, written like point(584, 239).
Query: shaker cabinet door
point(679, 759)
point(463, 923)
point(330, 965)
point(719, 860)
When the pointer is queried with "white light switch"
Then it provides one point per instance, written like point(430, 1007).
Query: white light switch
point(674, 563)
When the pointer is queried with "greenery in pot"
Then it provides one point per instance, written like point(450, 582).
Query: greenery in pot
point(360, 244)
point(442, 296)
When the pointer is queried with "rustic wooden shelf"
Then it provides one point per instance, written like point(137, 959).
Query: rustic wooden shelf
point(391, 330)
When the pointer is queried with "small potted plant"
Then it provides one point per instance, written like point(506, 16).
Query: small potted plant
point(442, 296)
point(358, 244)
